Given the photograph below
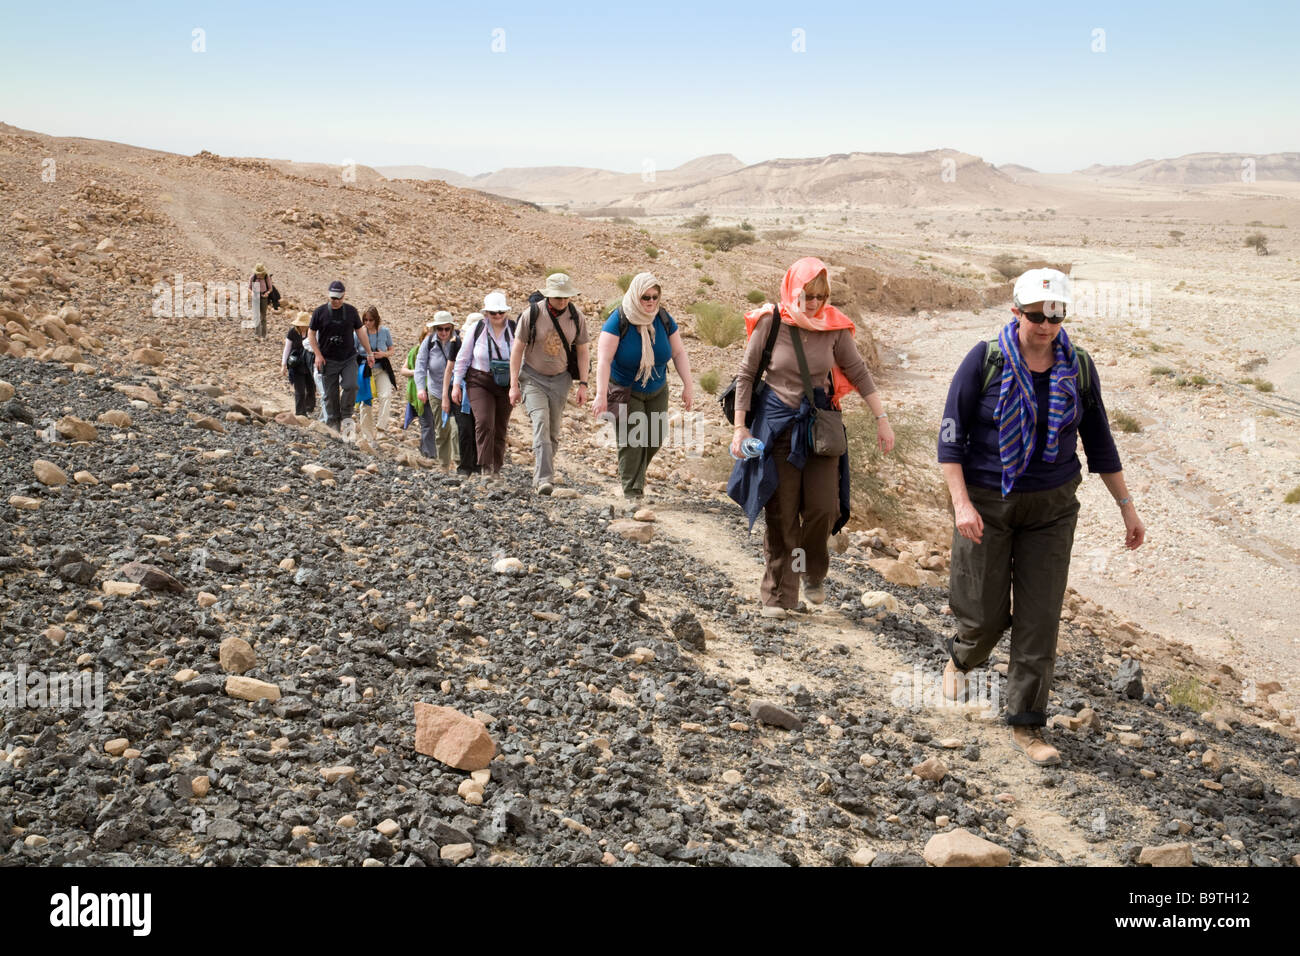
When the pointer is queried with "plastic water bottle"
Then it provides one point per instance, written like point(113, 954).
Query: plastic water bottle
point(444, 419)
point(750, 448)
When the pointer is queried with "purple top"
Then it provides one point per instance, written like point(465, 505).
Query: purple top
point(968, 434)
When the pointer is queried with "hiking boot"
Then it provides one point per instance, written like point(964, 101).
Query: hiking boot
point(545, 488)
point(815, 593)
point(1030, 742)
point(774, 612)
point(348, 430)
point(954, 682)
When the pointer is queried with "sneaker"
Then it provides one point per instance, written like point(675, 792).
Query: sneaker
point(774, 612)
point(815, 593)
point(545, 488)
point(954, 682)
point(1030, 742)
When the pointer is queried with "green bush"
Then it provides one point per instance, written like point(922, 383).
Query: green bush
point(746, 226)
point(1162, 370)
point(723, 238)
point(709, 381)
point(871, 497)
point(1124, 421)
point(706, 280)
point(697, 222)
point(1009, 267)
point(1261, 384)
point(1293, 496)
point(778, 236)
point(1259, 242)
point(756, 297)
point(1191, 693)
point(717, 324)
point(625, 280)
point(652, 252)
point(1191, 381)
point(610, 306)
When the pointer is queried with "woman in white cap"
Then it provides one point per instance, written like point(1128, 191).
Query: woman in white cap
point(431, 360)
point(483, 370)
point(632, 354)
point(296, 363)
point(1017, 409)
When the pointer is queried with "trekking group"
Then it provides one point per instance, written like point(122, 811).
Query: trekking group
point(1018, 407)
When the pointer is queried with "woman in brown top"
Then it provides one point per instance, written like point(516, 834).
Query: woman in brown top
point(804, 495)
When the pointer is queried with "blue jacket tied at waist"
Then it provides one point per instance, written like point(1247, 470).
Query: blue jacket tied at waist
point(753, 480)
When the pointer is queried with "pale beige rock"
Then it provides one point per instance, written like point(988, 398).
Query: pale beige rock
point(644, 514)
point(456, 852)
point(148, 356)
point(116, 746)
point(248, 688)
point(895, 572)
point(115, 417)
point(200, 786)
point(452, 738)
point(74, 429)
point(963, 848)
point(120, 588)
point(931, 769)
point(23, 503)
point(7, 391)
point(85, 478)
point(317, 472)
point(54, 634)
point(508, 566)
point(1171, 854)
point(206, 599)
point(237, 656)
point(880, 599)
point(388, 828)
point(335, 774)
point(863, 857)
point(185, 675)
point(639, 531)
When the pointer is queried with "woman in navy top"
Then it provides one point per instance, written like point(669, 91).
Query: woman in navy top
point(1008, 448)
point(636, 342)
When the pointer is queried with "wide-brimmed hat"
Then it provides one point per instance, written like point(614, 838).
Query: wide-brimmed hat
point(495, 302)
point(558, 286)
point(441, 317)
point(259, 270)
point(302, 320)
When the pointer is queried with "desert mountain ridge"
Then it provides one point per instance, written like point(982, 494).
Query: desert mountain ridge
point(1203, 169)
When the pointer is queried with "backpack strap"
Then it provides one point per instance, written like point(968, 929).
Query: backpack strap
point(773, 331)
point(993, 360)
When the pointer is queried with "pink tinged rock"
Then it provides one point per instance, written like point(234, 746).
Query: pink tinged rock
point(1171, 854)
point(236, 656)
point(450, 737)
point(247, 688)
point(963, 848)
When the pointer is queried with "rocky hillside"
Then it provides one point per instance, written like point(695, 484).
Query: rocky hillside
point(269, 611)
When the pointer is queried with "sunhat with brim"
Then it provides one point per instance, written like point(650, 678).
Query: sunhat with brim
point(495, 302)
point(259, 269)
point(558, 286)
point(441, 319)
point(302, 321)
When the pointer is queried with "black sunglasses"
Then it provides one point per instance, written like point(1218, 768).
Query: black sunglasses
point(502, 312)
point(1037, 318)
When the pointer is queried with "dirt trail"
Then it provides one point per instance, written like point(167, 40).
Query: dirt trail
point(722, 543)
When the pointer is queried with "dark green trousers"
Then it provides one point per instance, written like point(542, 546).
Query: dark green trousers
point(1024, 555)
point(641, 434)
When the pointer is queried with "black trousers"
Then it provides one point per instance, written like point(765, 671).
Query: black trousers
point(468, 443)
point(304, 394)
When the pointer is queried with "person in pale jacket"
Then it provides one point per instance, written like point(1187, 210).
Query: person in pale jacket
point(436, 352)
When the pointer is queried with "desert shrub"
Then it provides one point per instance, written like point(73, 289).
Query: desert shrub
point(1191, 693)
point(717, 324)
point(551, 270)
point(756, 297)
point(610, 306)
point(1261, 384)
point(652, 252)
point(1259, 242)
point(697, 222)
point(871, 496)
point(709, 381)
point(1293, 496)
point(625, 280)
point(1124, 421)
point(707, 280)
point(778, 236)
point(1176, 234)
point(746, 226)
point(723, 238)
point(1007, 266)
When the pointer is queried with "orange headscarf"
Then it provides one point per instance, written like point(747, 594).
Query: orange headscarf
point(826, 319)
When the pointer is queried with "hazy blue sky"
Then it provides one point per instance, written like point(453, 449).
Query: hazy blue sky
point(601, 84)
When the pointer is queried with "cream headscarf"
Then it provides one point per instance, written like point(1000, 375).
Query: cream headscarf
point(636, 314)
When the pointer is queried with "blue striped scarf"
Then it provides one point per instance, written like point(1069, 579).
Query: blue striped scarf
point(1017, 409)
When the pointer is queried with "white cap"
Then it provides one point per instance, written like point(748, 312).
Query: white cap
point(1042, 285)
point(495, 302)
